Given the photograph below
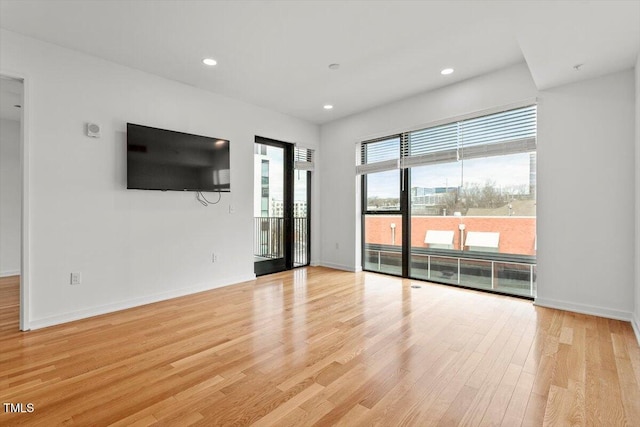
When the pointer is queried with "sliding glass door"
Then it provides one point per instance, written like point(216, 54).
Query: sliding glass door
point(454, 203)
point(282, 194)
point(271, 251)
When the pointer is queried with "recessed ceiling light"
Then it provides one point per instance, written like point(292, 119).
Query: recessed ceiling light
point(446, 71)
point(328, 107)
point(334, 66)
point(209, 61)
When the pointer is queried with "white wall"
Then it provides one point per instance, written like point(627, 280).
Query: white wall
point(585, 180)
point(636, 322)
point(9, 197)
point(586, 196)
point(340, 198)
point(131, 246)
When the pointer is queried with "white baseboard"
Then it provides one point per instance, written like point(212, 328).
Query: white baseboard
point(635, 323)
point(339, 266)
point(9, 273)
point(584, 309)
point(135, 302)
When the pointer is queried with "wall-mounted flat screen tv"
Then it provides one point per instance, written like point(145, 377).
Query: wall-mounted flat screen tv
point(159, 159)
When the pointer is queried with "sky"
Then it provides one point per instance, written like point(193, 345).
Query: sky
point(505, 171)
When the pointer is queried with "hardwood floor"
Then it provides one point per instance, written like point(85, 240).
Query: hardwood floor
point(322, 347)
point(9, 304)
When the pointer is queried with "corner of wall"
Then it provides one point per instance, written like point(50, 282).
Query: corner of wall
point(635, 324)
point(636, 312)
point(343, 267)
point(591, 310)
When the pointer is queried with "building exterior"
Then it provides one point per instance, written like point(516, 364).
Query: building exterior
point(261, 170)
point(277, 209)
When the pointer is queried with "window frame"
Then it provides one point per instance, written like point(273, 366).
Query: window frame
point(405, 164)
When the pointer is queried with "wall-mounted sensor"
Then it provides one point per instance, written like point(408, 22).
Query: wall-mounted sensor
point(93, 130)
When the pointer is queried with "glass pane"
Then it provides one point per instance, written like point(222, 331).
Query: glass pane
point(420, 265)
point(268, 203)
point(475, 273)
point(300, 218)
point(434, 192)
point(433, 201)
point(474, 210)
point(383, 191)
point(513, 278)
point(499, 198)
point(383, 243)
point(444, 269)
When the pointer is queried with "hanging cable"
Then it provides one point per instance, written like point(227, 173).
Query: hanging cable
point(203, 200)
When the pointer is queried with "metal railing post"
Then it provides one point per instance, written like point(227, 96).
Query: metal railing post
point(492, 274)
point(531, 279)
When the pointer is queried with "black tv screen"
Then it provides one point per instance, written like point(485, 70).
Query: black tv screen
point(159, 159)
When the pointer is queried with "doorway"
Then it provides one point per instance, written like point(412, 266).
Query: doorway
point(281, 207)
point(11, 200)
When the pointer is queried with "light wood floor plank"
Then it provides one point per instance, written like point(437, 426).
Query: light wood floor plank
point(322, 347)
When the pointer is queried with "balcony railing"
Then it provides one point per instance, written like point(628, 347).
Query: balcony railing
point(505, 273)
point(269, 239)
point(300, 241)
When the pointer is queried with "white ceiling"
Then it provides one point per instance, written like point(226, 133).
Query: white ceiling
point(275, 54)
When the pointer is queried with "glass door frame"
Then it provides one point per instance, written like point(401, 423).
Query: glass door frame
point(403, 212)
point(287, 261)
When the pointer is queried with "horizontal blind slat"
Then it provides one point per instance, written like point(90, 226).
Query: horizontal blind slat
point(500, 149)
point(472, 137)
point(380, 150)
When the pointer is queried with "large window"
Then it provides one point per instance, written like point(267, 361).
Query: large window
point(455, 203)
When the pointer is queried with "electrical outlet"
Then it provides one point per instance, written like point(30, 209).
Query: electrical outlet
point(337, 245)
point(214, 257)
point(76, 278)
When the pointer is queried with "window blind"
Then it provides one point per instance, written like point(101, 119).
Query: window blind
point(507, 132)
point(379, 155)
point(438, 144)
point(303, 159)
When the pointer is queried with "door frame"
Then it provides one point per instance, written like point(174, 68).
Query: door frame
point(405, 218)
point(25, 271)
point(286, 263)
